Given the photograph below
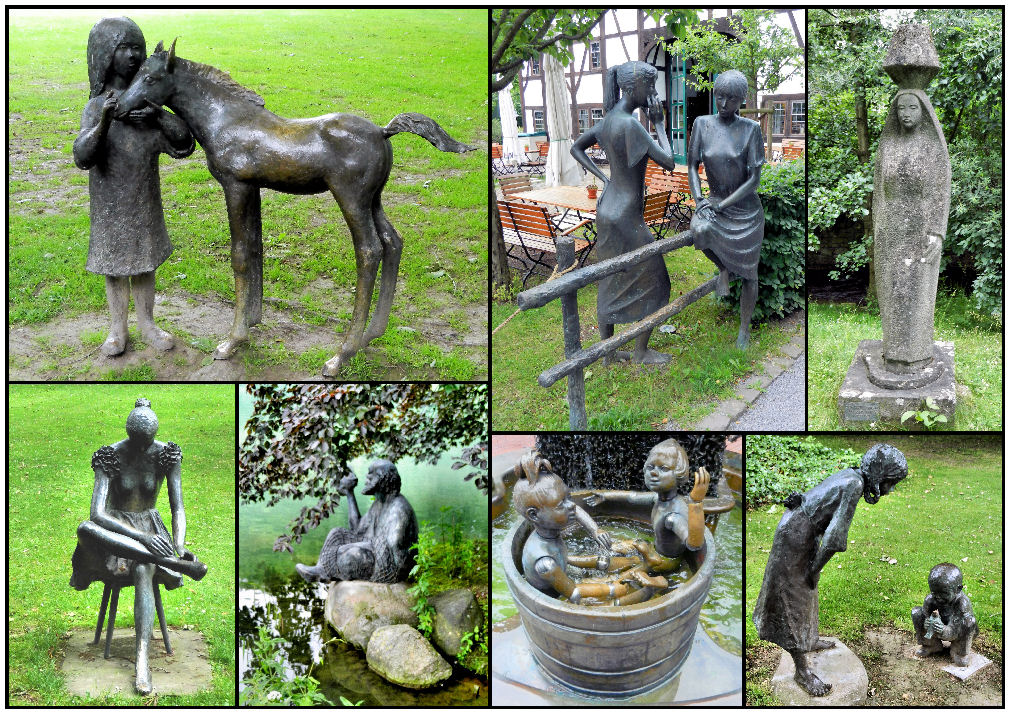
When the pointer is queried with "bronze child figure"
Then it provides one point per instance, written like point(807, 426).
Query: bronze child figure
point(120, 151)
point(125, 537)
point(814, 528)
point(542, 499)
point(945, 615)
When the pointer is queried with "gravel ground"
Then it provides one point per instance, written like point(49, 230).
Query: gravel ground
point(782, 406)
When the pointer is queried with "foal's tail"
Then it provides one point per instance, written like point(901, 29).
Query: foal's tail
point(427, 128)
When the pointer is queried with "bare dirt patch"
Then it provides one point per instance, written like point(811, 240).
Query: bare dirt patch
point(55, 351)
point(898, 679)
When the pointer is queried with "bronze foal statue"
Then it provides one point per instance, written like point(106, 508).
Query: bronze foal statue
point(249, 148)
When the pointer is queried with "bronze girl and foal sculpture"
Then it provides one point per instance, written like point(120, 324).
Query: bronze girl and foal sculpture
point(250, 148)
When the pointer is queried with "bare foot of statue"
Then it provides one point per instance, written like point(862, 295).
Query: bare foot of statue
point(651, 357)
point(616, 357)
point(959, 660)
point(115, 344)
point(157, 338)
point(927, 651)
point(811, 683)
point(143, 681)
point(310, 573)
point(822, 644)
point(189, 566)
point(722, 284)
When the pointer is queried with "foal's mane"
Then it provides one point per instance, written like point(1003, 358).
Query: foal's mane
point(220, 78)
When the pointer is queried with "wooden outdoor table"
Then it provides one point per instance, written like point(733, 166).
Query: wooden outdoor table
point(568, 197)
point(573, 199)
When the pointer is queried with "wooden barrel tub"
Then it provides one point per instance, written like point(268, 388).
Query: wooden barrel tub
point(610, 651)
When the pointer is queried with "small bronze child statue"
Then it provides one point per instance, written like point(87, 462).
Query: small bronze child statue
point(120, 152)
point(945, 615)
point(542, 499)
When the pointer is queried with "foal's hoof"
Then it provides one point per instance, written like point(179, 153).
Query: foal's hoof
point(143, 682)
point(227, 349)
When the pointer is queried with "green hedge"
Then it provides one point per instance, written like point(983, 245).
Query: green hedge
point(779, 465)
point(781, 274)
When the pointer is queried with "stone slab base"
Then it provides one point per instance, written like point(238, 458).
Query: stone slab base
point(837, 666)
point(976, 662)
point(711, 676)
point(861, 401)
point(88, 673)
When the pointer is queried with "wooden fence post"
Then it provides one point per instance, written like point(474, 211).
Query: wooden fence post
point(573, 343)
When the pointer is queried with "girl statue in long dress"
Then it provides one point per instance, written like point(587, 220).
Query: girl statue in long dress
point(635, 293)
point(729, 223)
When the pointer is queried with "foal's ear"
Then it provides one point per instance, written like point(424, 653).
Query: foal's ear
point(171, 56)
point(160, 47)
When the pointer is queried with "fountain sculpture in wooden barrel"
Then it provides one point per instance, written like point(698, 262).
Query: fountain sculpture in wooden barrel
point(622, 621)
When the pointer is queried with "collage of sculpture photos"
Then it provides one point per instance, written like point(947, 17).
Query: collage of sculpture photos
point(413, 357)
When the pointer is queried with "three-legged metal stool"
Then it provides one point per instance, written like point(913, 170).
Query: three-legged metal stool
point(112, 589)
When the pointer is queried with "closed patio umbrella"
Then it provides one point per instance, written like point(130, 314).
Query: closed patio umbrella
point(562, 169)
point(511, 149)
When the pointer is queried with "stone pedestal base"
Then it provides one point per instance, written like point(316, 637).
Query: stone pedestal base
point(88, 673)
point(976, 662)
point(862, 401)
point(837, 666)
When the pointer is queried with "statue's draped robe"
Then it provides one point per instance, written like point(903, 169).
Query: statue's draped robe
point(911, 200)
point(389, 528)
point(730, 153)
point(635, 293)
point(786, 610)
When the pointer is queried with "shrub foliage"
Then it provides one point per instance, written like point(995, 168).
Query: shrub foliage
point(779, 465)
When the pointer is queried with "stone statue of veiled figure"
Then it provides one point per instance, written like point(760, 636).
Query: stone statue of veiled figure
point(911, 200)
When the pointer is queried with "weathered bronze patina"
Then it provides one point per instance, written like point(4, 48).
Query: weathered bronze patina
point(814, 528)
point(945, 615)
point(125, 542)
point(250, 148)
point(729, 223)
point(639, 291)
point(375, 547)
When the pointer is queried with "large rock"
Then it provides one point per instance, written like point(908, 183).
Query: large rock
point(456, 612)
point(357, 608)
point(401, 655)
point(837, 666)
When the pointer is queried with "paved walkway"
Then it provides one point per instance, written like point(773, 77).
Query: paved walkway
point(775, 398)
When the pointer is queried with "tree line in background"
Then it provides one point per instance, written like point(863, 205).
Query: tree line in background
point(301, 438)
point(849, 96)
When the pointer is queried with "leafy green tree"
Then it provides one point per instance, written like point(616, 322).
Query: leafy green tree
point(766, 53)
point(301, 437)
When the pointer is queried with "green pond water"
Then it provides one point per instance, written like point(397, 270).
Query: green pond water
point(721, 614)
point(272, 595)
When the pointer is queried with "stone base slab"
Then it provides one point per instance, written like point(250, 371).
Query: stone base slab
point(861, 401)
point(88, 674)
point(837, 666)
point(976, 662)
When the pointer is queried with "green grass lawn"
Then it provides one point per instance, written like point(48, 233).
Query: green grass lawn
point(834, 331)
point(374, 63)
point(949, 509)
point(706, 364)
point(54, 429)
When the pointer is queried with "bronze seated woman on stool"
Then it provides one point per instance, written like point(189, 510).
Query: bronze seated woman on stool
point(125, 537)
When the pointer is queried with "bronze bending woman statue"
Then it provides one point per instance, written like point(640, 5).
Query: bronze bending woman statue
point(633, 294)
point(125, 536)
